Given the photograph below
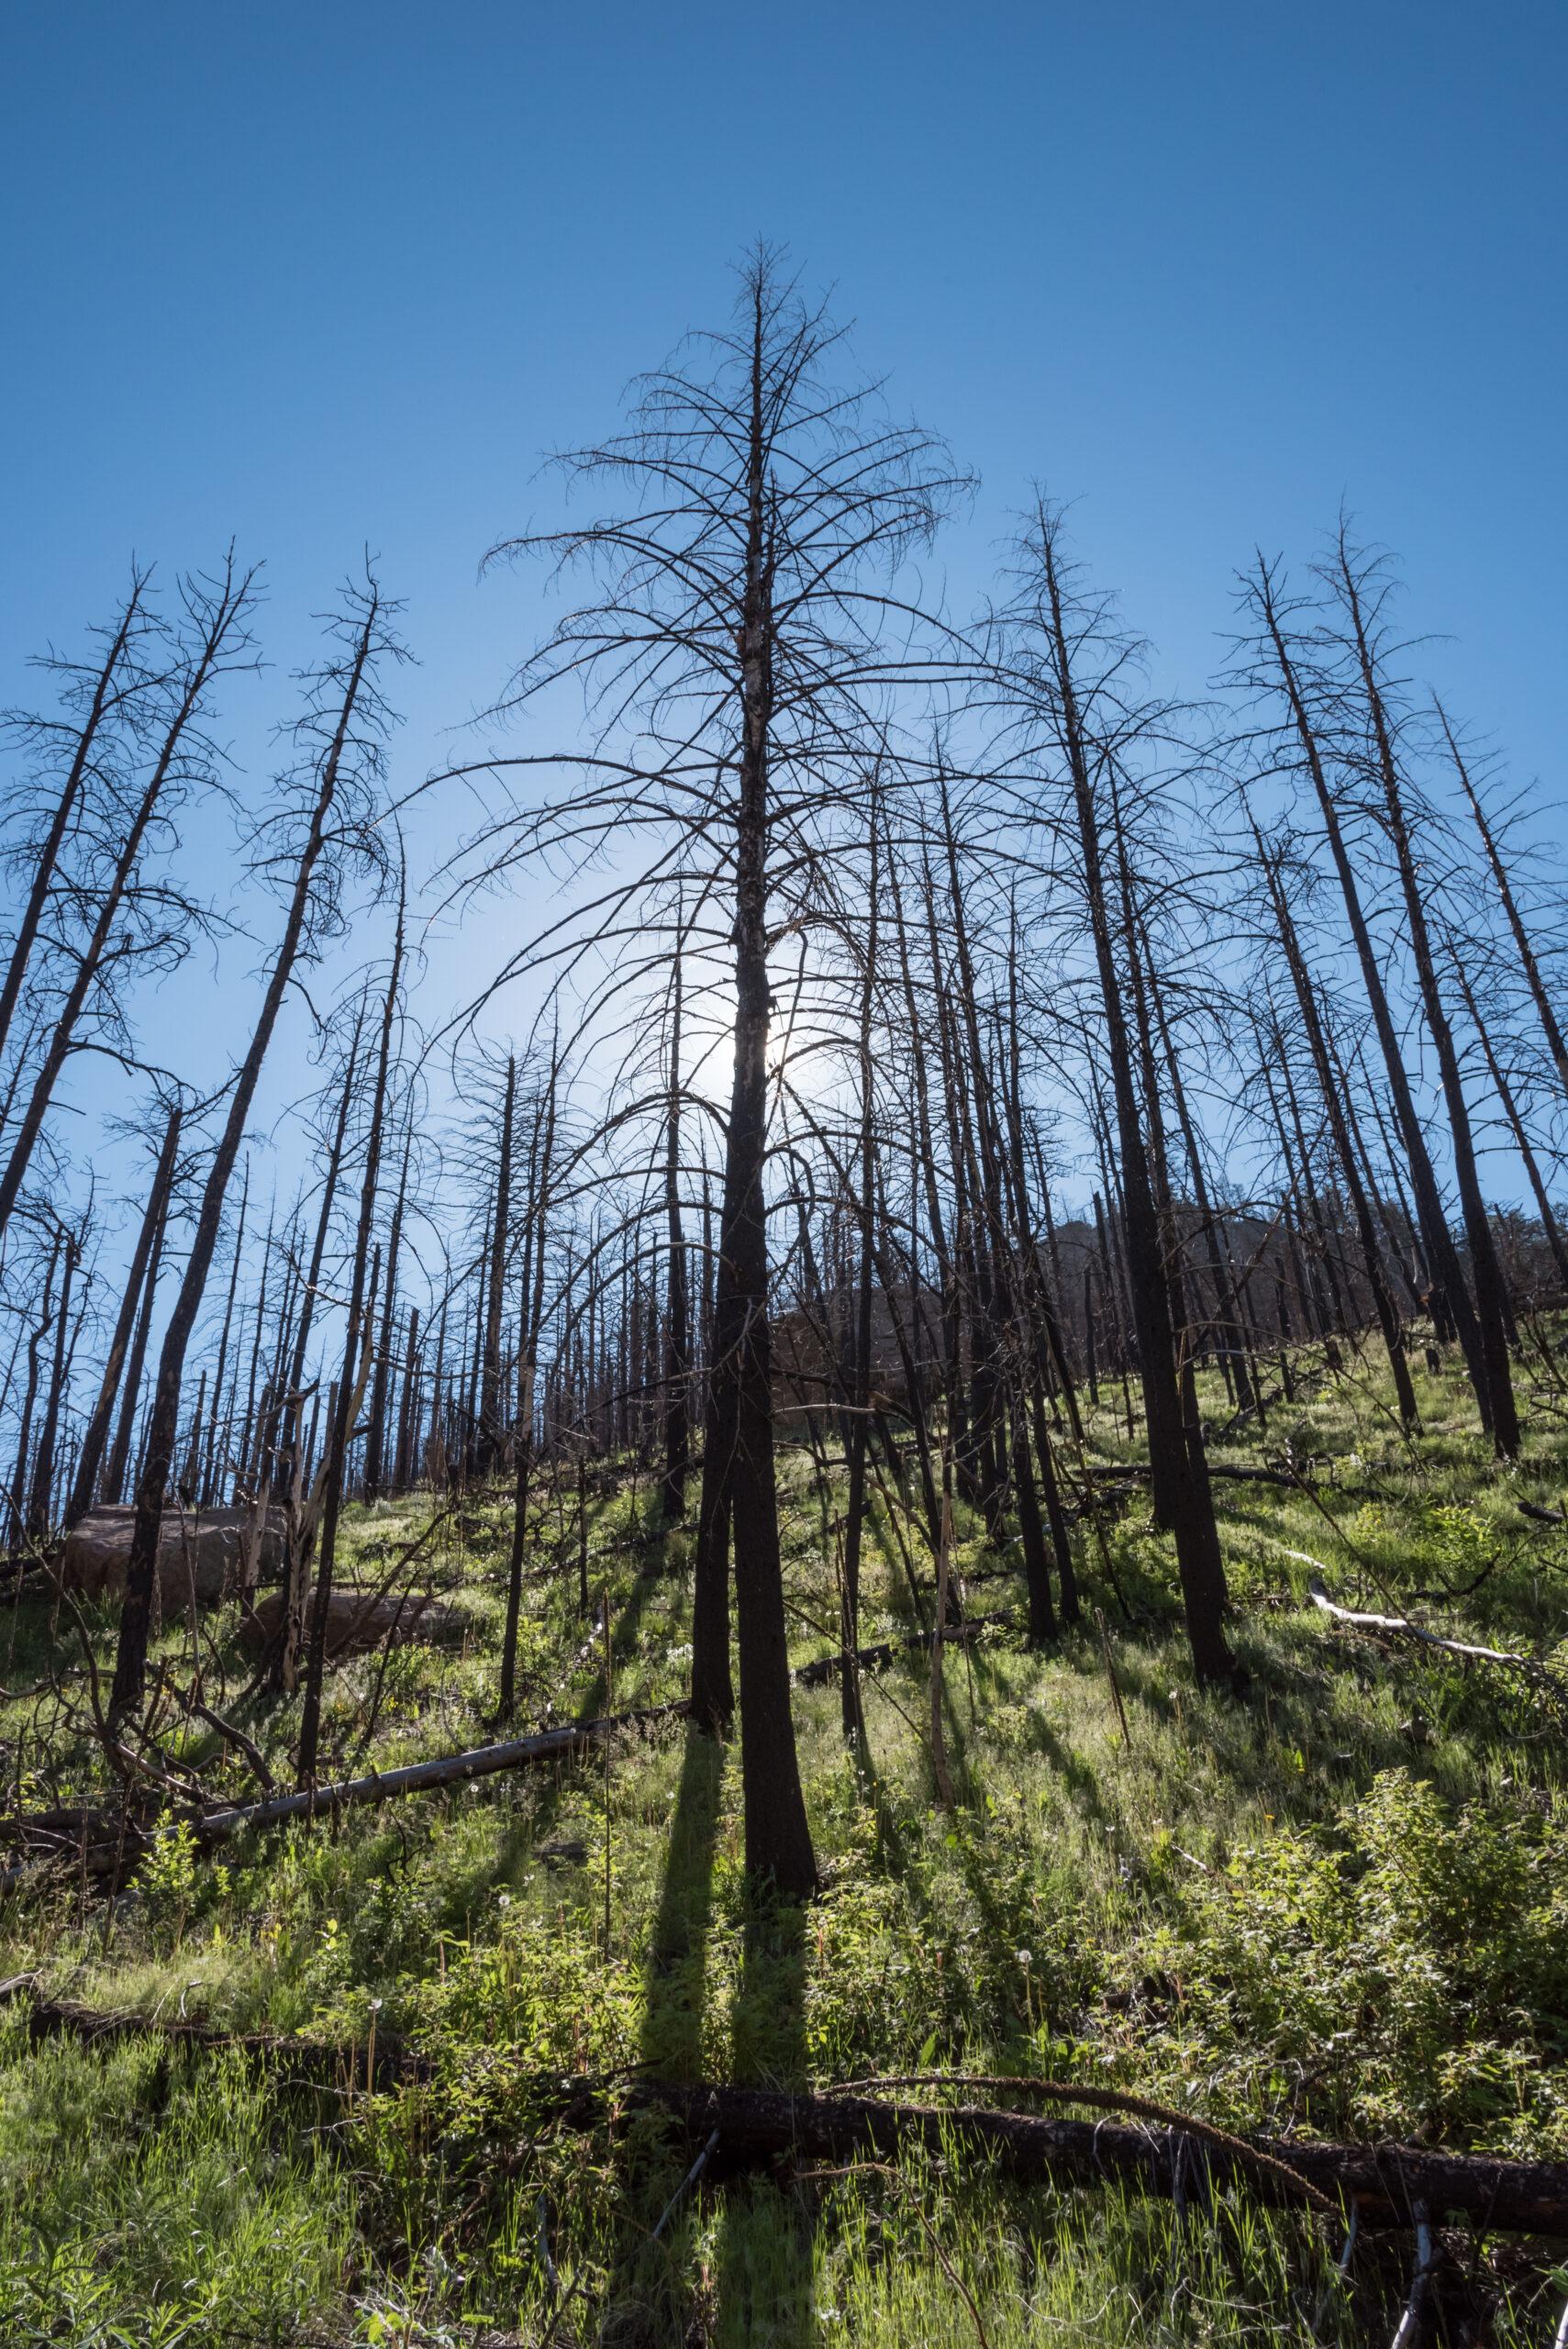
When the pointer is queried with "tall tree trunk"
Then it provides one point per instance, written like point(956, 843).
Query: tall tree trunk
point(542, 1160)
point(677, 1310)
point(40, 1508)
point(209, 1474)
point(97, 1429)
point(1486, 1272)
point(1504, 1092)
point(1312, 1027)
point(221, 615)
point(1451, 1295)
point(1179, 1464)
point(1550, 1026)
point(375, 1437)
point(130, 1662)
point(492, 1442)
point(110, 688)
point(778, 1840)
point(351, 1384)
point(119, 1451)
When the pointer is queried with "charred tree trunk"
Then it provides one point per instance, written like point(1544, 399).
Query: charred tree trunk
point(351, 1384)
point(131, 1663)
point(98, 1429)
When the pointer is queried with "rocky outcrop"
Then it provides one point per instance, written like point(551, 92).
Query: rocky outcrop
point(358, 1620)
point(203, 1548)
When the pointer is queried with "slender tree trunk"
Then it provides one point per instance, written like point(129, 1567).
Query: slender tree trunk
point(543, 1155)
point(40, 1508)
point(108, 693)
point(1179, 1464)
point(375, 1439)
point(1312, 1027)
point(220, 618)
point(677, 1310)
point(492, 1442)
point(1452, 1299)
point(351, 1384)
point(97, 1429)
point(1504, 1092)
point(1550, 1026)
point(209, 1474)
point(131, 1663)
point(778, 1840)
point(119, 1454)
point(1486, 1272)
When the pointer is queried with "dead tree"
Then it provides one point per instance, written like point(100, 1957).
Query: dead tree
point(1059, 666)
point(677, 1306)
point(95, 1435)
point(100, 701)
point(536, 1231)
point(351, 1380)
point(320, 833)
point(218, 641)
point(1530, 964)
point(743, 611)
point(1269, 863)
point(1273, 665)
point(1360, 589)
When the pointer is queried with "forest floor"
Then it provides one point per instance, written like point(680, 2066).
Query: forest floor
point(1337, 1907)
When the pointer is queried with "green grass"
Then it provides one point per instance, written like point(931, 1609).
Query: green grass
point(1341, 1907)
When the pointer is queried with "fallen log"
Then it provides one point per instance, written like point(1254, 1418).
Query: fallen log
point(385, 2060)
point(1384, 2183)
point(1541, 1676)
point(877, 1658)
point(1387, 2184)
point(121, 1841)
point(213, 1827)
point(1243, 1473)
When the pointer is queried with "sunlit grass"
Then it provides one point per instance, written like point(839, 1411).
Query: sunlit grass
point(1098, 1907)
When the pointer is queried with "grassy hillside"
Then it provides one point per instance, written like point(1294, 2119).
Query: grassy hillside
point(1338, 1909)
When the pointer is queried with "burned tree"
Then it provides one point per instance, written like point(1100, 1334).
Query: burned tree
point(736, 652)
point(317, 836)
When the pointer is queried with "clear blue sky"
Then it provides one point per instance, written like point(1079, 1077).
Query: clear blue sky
point(319, 275)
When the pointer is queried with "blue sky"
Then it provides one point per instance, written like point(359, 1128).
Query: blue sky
point(320, 276)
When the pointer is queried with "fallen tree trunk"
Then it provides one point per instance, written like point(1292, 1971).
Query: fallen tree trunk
point(382, 2064)
point(1540, 1676)
point(1244, 1472)
point(102, 1843)
point(111, 1856)
point(824, 1668)
point(1384, 2183)
point(1387, 2184)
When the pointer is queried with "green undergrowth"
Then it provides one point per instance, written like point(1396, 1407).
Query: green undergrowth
point(1339, 1907)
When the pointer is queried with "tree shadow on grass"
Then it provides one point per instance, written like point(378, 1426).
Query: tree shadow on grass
point(764, 2265)
point(676, 1974)
point(648, 2294)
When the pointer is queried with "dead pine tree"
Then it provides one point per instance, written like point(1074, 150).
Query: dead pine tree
point(74, 753)
point(126, 919)
point(1277, 664)
point(1060, 666)
point(490, 1441)
point(1270, 866)
point(740, 600)
point(677, 1306)
point(1361, 588)
point(94, 1438)
point(360, 1316)
point(538, 1208)
point(320, 833)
